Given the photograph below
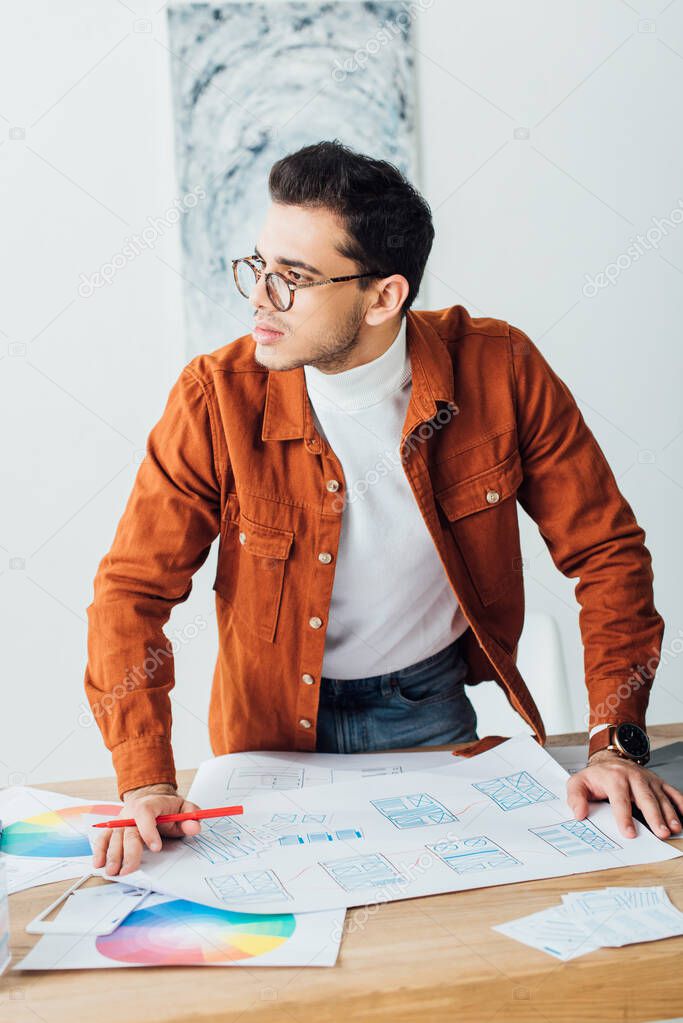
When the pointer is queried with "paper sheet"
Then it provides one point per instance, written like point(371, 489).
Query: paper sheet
point(602, 917)
point(496, 818)
point(170, 932)
point(237, 776)
point(45, 835)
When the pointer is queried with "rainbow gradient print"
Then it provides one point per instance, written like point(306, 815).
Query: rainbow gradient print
point(53, 832)
point(182, 933)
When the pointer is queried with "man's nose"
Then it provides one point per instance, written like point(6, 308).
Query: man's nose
point(259, 294)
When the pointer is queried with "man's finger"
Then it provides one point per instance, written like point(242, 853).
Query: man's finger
point(177, 829)
point(619, 795)
point(145, 818)
point(132, 850)
point(99, 847)
point(668, 811)
point(675, 795)
point(577, 797)
point(646, 800)
point(114, 851)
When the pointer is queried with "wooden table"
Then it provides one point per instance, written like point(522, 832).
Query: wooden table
point(432, 959)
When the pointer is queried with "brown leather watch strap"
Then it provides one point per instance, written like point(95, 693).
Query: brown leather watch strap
point(601, 740)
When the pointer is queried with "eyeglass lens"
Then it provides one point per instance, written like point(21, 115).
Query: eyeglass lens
point(278, 292)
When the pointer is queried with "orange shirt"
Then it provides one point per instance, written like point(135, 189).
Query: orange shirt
point(236, 455)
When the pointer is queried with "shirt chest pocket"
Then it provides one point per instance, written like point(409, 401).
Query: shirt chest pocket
point(250, 574)
point(482, 517)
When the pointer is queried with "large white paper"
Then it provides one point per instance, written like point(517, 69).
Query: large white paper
point(45, 835)
point(170, 932)
point(236, 776)
point(496, 818)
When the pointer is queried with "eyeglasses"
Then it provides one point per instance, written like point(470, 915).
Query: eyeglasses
point(280, 290)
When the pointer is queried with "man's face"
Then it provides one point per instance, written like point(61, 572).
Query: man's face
point(322, 327)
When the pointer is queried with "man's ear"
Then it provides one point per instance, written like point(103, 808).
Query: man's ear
point(391, 294)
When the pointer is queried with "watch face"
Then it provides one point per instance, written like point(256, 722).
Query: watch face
point(632, 739)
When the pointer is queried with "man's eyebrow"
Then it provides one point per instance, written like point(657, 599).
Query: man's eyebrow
point(292, 262)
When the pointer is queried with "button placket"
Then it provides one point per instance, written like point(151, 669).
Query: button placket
point(320, 594)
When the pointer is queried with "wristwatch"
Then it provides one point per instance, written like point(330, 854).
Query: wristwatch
point(626, 739)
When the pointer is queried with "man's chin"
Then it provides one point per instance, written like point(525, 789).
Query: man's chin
point(271, 357)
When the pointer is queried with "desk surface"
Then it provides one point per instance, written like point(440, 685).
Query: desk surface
point(428, 959)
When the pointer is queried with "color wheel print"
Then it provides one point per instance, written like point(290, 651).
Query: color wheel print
point(182, 933)
point(53, 832)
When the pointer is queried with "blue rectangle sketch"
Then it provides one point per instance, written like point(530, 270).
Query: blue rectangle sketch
point(574, 838)
point(312, 837)
point(466, 855)
point(372, 871)
point(418, 810)
point(253, 886)
point(515, 790)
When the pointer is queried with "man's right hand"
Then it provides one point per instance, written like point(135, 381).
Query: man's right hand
point(121, 848)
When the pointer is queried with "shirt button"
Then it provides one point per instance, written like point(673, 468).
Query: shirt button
point(333, 485)
point(307, 679)
point(492, 496)
point(243, 537)
point(325, 557)
point(305, 723)
point(315, 623)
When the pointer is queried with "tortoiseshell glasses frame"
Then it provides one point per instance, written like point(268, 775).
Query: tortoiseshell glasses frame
point(282, 299)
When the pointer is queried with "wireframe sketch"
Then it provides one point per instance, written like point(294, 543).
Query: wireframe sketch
point(223, 841)
point(418, 810)
point(295, 818)
point(253, 886)
point(375, 772)
point(514, 790)
point(342, 834)
point(248, 779)
point(573, 838)
point(371, 871)
point(466, 855)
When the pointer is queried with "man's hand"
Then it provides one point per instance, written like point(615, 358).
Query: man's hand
point(622, 781)
point(121, 848)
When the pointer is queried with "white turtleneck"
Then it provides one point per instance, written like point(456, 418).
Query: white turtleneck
point(392, 604)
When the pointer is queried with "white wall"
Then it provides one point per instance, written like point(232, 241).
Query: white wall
point(519, 221)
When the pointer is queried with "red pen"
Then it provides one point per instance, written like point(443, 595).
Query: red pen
point(166, 818)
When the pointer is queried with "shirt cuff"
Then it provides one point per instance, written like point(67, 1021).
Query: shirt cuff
point(145, 760)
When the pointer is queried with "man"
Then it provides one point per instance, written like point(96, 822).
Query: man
point(361, 463)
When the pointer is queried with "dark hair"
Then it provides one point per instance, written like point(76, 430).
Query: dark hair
point(388, 223)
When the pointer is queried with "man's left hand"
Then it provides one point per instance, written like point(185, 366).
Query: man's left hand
point(623, 782)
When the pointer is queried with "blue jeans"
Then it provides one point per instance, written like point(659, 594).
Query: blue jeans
point(424, 704)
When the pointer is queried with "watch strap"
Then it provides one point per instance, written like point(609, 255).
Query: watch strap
point(600, 740)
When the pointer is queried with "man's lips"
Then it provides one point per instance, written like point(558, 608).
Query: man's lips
point(265, 334)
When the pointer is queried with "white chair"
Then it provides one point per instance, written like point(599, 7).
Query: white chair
point(541, 664)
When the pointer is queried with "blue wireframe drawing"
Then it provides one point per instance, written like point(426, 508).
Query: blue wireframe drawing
point(466, 855)
point(223, 840)
point(343, 834)
point(514, 790)
point(253, 886)
point(575, 838)
point(371, 871)
point(418, 810)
